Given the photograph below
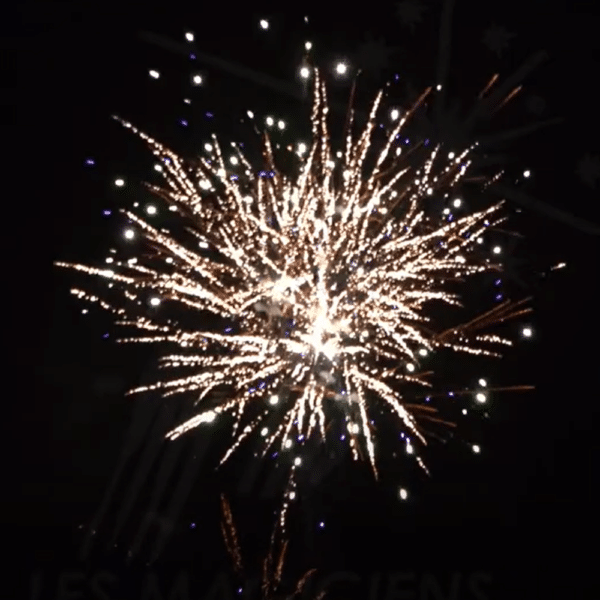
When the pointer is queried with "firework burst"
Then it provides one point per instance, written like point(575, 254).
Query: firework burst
point(325, 278)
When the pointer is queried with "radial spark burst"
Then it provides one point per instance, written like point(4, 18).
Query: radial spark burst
point(325, 277)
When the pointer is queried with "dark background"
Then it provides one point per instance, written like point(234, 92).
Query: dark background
point(521, 511)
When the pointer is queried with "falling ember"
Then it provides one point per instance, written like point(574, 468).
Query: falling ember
point(272, 565)
point(331, 302)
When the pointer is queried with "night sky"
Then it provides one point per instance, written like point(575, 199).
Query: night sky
point(521, 510)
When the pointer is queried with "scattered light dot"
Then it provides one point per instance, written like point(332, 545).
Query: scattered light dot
point(497, 250)
point(464, 411)
point(394, 114)
point(203, 244)
point(307, 45)
point(250, 114)
point(480, 240)
point(446, 211)
point(197, 79)
point(210, 416)
point(269, 121)
point(456, 202)
point(110, 259)
point(119, 182)
point(287, 443)
point(158, 168)
point(409, 449)
point(292, 495)
point(129, 234)
point(208, 147)
point(526, 173)
point(154, 74)
point(451, 155)
point(321, 524)
point(151, 209)
point(438, 87)
point(403, 494)
point(264, 431)
point(273, 400)
point(155, 301)
point(481, 397)
point(410, 367)
point(527, 332)
point(301, 148)
point(189, 36)
point(476, 449)
point(234, 160)
point(482, 382)
point(341, 68)
point(297, 461)
point(264, 24)
point(281, 124)
point(305, 72)
point(423, 352)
